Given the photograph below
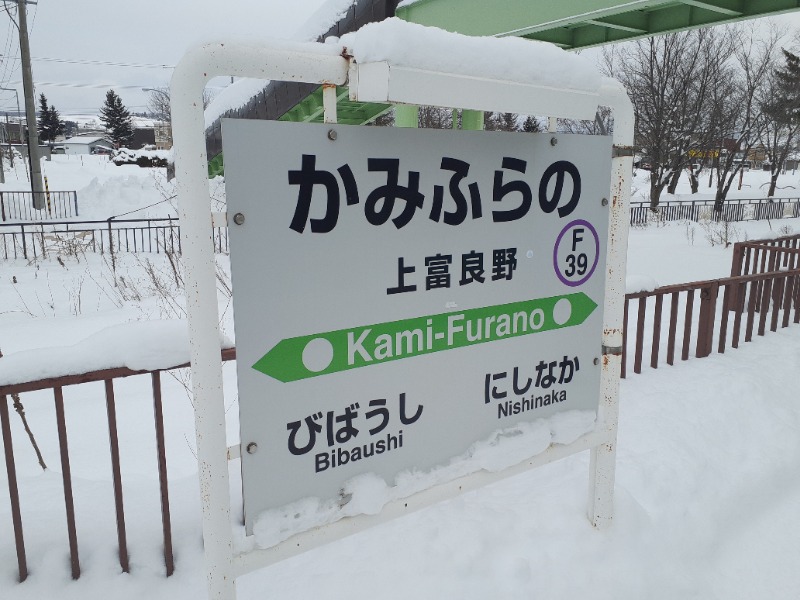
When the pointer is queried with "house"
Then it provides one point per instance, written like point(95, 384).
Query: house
point(88, 145)
point(142, 137)
point(163, 133)
point(12, 133)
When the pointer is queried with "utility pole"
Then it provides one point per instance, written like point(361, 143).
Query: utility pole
point(30, 108)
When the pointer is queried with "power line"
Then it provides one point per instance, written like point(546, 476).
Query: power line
point(98, 86)
point(9, 41)
point(99, 63)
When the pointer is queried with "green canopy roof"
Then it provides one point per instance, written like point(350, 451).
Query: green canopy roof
point(584, 23)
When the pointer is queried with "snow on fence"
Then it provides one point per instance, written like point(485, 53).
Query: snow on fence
point(57, 384)
point(18, 206)
point(35, 240)
point(743, 209)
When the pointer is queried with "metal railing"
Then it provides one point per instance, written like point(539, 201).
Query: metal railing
point(749, 303)
point(751, 209)
point(35, 240)
point(108, 376)
point(18, 206)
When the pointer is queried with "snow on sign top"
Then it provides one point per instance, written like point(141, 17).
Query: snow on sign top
point(406, 44)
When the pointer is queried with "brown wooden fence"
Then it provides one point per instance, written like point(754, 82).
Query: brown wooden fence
point(763, 256)
point(57, 384)
point(674, 321)
point(664, 325)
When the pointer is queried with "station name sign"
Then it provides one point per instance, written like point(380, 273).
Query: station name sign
point(401, 294)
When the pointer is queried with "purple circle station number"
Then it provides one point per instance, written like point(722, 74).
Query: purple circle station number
point(576, 253)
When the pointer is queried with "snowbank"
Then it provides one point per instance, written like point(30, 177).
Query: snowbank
point(139, 346)
point(142, 158)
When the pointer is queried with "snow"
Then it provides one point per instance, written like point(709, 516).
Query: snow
point(83, 140)
point(639, 283)
point(241, 91)
point(232, 97)
point(708, 451)
point(96, 179)
point(139, 346)
point(429, 48)
point(325, 17)
point(411, 45)
point(368, 494)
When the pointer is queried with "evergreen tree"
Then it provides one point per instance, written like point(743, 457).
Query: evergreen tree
point(57, 126)
point(786, 103)
point(508, 121)
point(497, 121)
point(117, 120)
point(50, 125)
point(531, 125)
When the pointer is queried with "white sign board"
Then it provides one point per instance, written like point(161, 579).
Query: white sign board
point(401, 294)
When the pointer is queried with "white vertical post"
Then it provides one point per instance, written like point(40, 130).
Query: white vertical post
point(312, 63)
point(329, 104)
point(603, 457)
point(191, 170)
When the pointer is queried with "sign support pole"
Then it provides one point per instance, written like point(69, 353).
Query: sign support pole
point(603, 457)
point(286, 61)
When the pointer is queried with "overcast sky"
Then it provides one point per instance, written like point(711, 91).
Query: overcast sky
point(142, 32)
point(140, 40)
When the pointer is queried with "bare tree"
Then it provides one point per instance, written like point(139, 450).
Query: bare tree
point(780, 102)
point(603, 124)
point(159, 103)
point(668, 78)
point(741, 118)
point(435, 117)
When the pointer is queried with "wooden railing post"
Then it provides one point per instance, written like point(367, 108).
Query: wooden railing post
point(736, 270)
point(708, 313)
point(13, 489)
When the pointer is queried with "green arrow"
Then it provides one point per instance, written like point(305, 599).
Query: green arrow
point(307, 356)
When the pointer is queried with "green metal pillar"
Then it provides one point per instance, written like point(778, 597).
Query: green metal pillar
point(406, 115)
point(472, 120)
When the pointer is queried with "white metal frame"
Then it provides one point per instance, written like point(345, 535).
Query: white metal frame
point(324, 64)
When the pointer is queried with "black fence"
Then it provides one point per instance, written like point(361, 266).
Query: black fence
point(18, 206)
point(35, 240)
point(703, 210)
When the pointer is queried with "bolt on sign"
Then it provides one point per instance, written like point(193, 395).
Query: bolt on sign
point(401, 294)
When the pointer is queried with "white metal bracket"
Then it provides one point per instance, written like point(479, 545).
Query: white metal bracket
point(324, 64)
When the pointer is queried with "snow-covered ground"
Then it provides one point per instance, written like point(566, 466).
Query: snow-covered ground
point(708, 452)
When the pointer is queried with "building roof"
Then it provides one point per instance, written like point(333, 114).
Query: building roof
point(85, 140)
